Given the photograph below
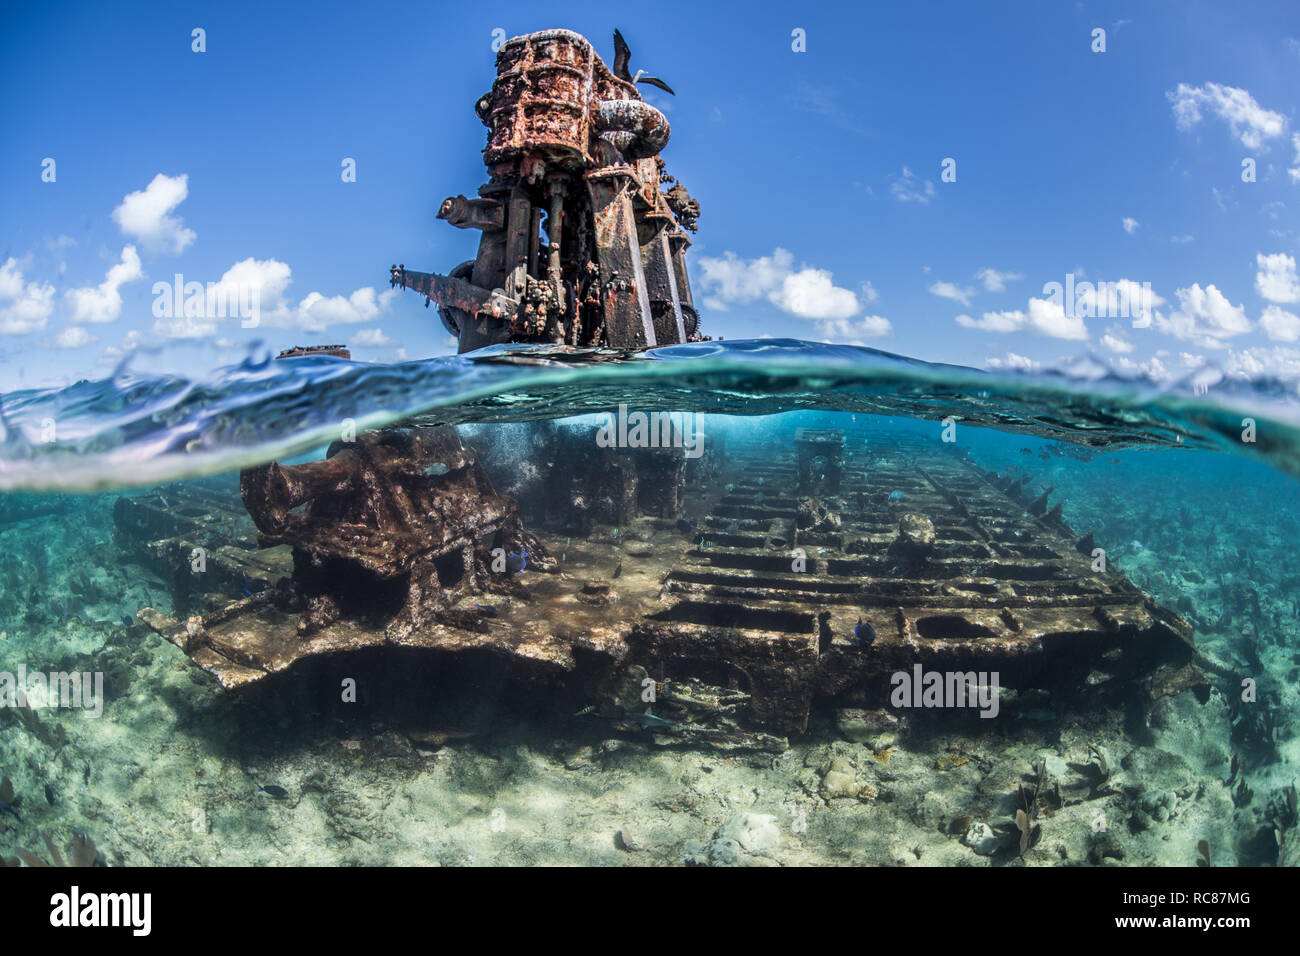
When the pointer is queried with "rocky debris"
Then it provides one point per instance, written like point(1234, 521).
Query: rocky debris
point(981, 838)
point(916, 536)
point(877, 729)
point(841, 780)
point(743, 836)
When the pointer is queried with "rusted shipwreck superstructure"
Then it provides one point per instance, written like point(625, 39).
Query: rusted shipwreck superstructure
point(572, 152)
point(808, 573)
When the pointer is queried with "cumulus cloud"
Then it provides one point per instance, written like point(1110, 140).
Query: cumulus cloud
point(24, 306)
point(1276, 279)
point(995, 281)
point(1042, 317)
point(74, 337)
point(1256, 362)
point(1250, 123)
point(144, 215)
point(265, 282)
point(855, 331)
point(950, 290)
point(1130, 224)
point(1294, 173)
point(1280, 325)
point(103, 303)
point(371, 338)
point(1013, 361)
point(1121, 297)
point(807, 292)
point(908, 188)
point(1204, 316)
point(1113, 341)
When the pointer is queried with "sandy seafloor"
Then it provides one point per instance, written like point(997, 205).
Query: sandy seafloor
point(168, 775)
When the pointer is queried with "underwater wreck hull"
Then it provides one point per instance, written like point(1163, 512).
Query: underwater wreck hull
point(779, 596)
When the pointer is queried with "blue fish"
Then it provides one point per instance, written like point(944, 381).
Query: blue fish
point(517, 562)
point(896, 496)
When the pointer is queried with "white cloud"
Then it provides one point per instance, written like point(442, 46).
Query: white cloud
point(1122, 297)
point(265, 281)
point(24, 306)
point(1152, 368)
point(1295, 172)
point(1013, 361)
point(1183, 239)
point(907, 188)
point(855, 331)
point(1204, 316)
point(950, 290)
point(1043, 317)
point(807, 292)
point(1280, 325)
point(103, 303)
point(1276, 279)
point(1130, 224)
point(74, 337)
point(143, 215)
point(1113, 340)
point(1256, 362)
point(371, 338)
point(995, 281)
point(1250, 123)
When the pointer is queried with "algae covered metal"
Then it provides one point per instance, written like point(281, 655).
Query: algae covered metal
point(580, 244)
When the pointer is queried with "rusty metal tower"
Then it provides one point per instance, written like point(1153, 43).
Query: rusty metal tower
point(581, 246)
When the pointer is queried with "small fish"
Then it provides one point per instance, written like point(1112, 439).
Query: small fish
point(729, 488)
point(589, 709)
point(127, 620)
point(273, 790)
point(864, 633)
point(49, 794)
point(516, 563)
point(618, 570)
point(648, 719)
point(896, 496)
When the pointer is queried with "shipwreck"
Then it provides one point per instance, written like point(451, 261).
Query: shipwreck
point(581, 244)
point(699, 591)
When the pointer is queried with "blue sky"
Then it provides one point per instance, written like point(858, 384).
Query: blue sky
point(825, 212)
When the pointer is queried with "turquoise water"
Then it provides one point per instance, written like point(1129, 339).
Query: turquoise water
point(1195, 514)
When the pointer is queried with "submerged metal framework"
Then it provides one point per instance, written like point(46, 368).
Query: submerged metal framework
point(777, 597)
point(573, 152)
